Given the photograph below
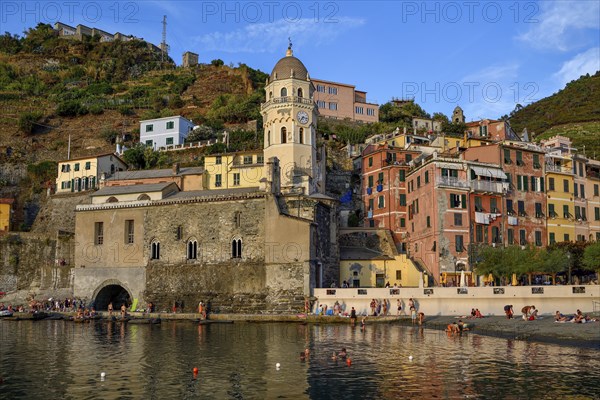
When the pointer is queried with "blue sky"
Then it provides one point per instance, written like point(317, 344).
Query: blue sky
point(484, 56)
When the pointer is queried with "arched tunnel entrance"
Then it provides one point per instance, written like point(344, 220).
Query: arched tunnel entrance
point(116, 294)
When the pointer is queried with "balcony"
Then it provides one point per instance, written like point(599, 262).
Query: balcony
point(452, 182)
point(285, 100)
point(558, 168)
point(488, 186)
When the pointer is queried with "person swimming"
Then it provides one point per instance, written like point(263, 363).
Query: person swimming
point(334, 356)
point(343, 353)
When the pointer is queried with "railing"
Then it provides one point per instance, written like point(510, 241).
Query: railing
point(287, 99)
point(487, 186)
point(451, 181)
point(558, 168)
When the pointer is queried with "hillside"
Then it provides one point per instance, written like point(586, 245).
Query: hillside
point(53, 89)
point(573, 111)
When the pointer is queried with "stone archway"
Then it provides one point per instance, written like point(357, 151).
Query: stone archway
point(112, 291)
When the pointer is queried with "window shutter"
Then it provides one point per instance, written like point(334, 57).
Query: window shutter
point(463, 200)
point(542, 184)
point(519, 182)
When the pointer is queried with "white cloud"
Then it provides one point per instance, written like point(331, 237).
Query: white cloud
point(259, 38)
point(581, 64)
point(494, 73)
point(560, 23)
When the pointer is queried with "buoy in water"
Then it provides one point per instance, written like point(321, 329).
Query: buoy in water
point(195, 370)
point(348, 361)
point(410, 358)
point(277, 365)
point(102, 374)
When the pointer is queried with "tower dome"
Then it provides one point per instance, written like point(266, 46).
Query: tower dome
point(289, 67)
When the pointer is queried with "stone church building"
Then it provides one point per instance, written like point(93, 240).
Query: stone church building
point(252, 250)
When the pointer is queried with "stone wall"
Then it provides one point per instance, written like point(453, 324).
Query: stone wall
point(27, 262)
point(57, 213)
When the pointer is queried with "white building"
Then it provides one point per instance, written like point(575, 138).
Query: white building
point(164, 132)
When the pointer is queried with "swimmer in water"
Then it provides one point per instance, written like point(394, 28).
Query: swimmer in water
point(334, 356)
point(343, 353)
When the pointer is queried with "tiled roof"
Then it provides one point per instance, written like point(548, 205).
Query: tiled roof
point(115, 190)
point(153, 173)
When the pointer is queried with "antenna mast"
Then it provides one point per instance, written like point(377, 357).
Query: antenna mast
point(163, 45)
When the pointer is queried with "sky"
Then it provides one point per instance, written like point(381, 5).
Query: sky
point(485, 56)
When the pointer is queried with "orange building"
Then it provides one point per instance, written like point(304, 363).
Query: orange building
point(341, 101)
point(384, 169)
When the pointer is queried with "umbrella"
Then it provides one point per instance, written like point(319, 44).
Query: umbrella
point(514, 280)
point(463, 283)
point(490, 278)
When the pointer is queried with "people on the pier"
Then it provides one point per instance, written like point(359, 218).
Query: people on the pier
point(508, 310)
point(373, 306)
point(353, 316)
point(478, 313)
point(399, 307)
point(559, 317)
point(473, 313)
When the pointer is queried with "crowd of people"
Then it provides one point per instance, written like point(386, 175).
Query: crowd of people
point(577, 318)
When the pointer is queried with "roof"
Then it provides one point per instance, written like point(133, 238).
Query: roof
point(361, 253)
point(315, 81)
point(284, 67)
point(214, 192)
point(147, 188)
point(95, 156)
point(162, 118)
point(153, 173)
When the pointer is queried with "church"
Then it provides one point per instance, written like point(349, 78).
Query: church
point(257, 245)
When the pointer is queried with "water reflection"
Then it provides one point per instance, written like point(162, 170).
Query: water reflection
point(57, 359)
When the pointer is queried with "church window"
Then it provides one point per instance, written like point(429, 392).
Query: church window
point(301, 136)
point(236, 248)
point(283, 135)
point(283, 92)
point(155, 250)
point(270, 95)
point(192, 249)
point(300, 92)
point(237, 218)
point(268, 138)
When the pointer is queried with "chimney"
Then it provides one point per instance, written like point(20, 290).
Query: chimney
point(176, 169)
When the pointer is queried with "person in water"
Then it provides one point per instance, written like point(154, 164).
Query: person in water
point(343, 353)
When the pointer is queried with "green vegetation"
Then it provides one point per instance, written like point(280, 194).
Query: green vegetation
point(28, 121)
point(142, 157)
point(579, 101)
point(585, 136)
point(591, 257)
point(566, 257)
point(40, 174)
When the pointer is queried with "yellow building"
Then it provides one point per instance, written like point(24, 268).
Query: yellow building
point(5, 211)
point(592, 189)
point(243, 169)
point(84, 173)
point(561, 207)
point(364, 268)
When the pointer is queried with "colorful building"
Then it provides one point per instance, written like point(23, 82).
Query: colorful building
point(84, 173)
point(5, 214)
point(186, 178)
point(342, 101)
point(592, 190)
point(165, 132)
point(234, 170)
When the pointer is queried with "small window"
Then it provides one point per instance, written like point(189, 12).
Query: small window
point(149, 128)
point(283, 135)
point(170, 125)
point(457, 219)
point(370, 161)
point(218, 160)
point(88, 165)
point(301, 136)
point(300, 92)
point(76, 167)
point(169, 141)
point(260, 159)
point(283, 92)
point(218, 181)
point(149, 143)
point(155, 250)
point(192, 249)
point(247, 159)
point(236, 179)
point(237, 219)
point(129, 231)
point(98, 233)
point(236, 248)
point(381, 202)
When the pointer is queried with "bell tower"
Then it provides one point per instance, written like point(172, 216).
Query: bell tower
point(290, 124)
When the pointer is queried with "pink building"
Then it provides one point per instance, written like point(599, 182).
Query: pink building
point(341, 101)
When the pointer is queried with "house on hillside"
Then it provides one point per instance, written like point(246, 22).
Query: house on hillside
point(84, 173)
point(164, 132)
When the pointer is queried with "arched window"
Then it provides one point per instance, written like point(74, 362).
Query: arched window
point(283, 92)
point(268, 138)
point(77, 184)
point(84, 183)
point(192, 249)
point(112, 199)
point(155, 250)
point(283, 135)
point(270, 95)
point(143, 196)
point(299, 92)
point(236, 248)
point(301, 136)
point(112, 169)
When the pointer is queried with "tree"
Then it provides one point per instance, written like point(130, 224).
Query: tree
point(454, 128)
point(438, 116)
point(135, 156)
point(28, 121)
point(555, 261)
point(591, 257)
point(217, 62)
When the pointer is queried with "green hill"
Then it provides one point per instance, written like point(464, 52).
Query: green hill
point(573, 111)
